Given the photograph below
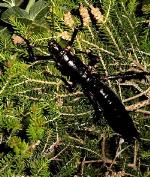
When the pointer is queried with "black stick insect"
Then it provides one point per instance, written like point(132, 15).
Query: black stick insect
point(102, 98)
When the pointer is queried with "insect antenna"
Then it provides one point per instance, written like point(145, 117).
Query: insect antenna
point(76, 12)
point(75, 32)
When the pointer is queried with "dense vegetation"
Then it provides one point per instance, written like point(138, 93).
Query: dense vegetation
point(45, 130)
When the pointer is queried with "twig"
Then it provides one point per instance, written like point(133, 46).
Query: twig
point(138, 105)
point(138, 95)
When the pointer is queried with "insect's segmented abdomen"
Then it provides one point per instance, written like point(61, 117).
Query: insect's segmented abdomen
point(113, 110)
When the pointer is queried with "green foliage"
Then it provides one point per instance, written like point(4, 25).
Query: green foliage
point(35, 130)
point(43, 167)
point(10, 3)
point(44, 129)
point(18, 146)
point(9, 122)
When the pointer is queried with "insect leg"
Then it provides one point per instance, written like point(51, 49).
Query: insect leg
point(30, 51)
point(128, 75)
point(93, 59)
point(98, 111)
point(70, 87)
point(32, 57)
point(29, 48)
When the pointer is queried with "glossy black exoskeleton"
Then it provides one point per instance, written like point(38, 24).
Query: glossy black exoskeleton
point(102, 98)
point(100, 95)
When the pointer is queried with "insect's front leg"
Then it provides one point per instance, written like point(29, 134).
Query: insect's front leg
point(70, 86)
point(32, 57)
point(29, 48)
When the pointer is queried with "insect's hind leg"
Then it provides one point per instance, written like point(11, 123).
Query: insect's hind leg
point(127, 76)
